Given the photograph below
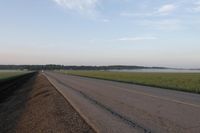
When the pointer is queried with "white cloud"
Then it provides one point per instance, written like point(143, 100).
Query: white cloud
point(105, 20)
point(136, 38)
point(82, 6)
point(197, 6)
point(125, 39)
point(167, 9)
point(126, 14)
point(166, 24)
point(163, 10)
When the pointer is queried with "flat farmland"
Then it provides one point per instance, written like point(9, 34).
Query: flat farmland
point(10, 74)
point(189, 82)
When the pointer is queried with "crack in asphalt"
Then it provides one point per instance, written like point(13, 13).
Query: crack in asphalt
point(124, 118)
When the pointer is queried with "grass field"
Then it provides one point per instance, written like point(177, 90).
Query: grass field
point(189, 82)
point(9, 74)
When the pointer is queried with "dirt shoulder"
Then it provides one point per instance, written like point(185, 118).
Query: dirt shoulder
point(36, 107)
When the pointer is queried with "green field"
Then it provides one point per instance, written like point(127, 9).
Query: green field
point(10, 74)
point(189, 82)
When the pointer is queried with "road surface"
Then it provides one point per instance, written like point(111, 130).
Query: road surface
point(113, 107)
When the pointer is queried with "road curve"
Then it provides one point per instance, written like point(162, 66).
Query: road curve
point(113, 107)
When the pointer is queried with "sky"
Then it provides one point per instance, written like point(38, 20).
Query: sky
point(100, 32)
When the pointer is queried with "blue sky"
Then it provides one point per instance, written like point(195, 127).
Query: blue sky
point(100, 32)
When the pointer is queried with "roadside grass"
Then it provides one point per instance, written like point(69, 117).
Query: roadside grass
point(189, 82)
point(7, 75)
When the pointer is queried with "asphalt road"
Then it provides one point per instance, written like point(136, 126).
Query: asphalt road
point(113, 107)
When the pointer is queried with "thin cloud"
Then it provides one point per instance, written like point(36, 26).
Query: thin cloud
point(197, 6)
point(105, 20)
point(81, 6)
point(166, 24)
point(127, 39)
point(136, 38)
point(167, 9)
point(163, 10)
point(126, 14)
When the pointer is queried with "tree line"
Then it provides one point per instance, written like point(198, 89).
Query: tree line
point(63, 67)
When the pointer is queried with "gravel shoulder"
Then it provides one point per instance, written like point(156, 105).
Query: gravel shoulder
point(36, 107)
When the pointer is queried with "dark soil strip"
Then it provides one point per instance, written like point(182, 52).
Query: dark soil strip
point(9, 86)
point(36, 107)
